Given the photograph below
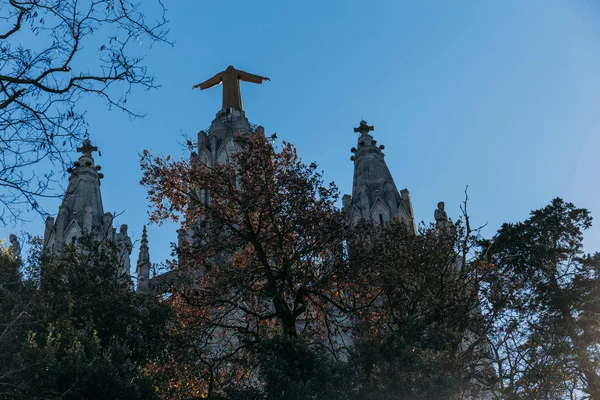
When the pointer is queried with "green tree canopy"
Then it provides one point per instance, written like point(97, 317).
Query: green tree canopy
point(543, 295)
point(85, 333)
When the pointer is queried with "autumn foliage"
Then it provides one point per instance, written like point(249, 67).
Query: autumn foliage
point(273, 294)
point(264, 254)
point(268, 269)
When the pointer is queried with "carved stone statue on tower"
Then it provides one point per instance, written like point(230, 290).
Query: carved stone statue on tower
point(230, 78)
point(124, 247)
point(15, 247)
point(441, 218)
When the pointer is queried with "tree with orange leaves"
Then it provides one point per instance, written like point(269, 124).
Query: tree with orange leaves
point(265, 258)
point(276, 296)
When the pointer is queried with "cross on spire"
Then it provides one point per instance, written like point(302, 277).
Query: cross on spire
point(364, 128)
point(86, 149)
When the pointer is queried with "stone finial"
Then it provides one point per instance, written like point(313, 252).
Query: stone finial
point(143, 264)
point(86, 159)
point(86, 149)
point(364, 128)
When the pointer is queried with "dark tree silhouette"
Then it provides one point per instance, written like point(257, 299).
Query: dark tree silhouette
point(541, 290)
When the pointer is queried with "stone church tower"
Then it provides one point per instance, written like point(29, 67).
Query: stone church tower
point(217, 145)
point(82, 213)
point(374, 193)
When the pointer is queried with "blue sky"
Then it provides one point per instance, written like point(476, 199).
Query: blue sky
point(501, 96)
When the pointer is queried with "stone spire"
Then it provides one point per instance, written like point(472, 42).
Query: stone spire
point(143, 264)
point(374, 193)
point(81, 211)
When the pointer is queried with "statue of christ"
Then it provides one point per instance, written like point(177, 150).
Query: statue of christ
point(231, 78)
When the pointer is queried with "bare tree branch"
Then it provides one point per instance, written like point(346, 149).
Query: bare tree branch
point(47, 71)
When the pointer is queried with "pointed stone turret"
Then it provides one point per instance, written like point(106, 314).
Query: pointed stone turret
point(374, 193)
point(81, 211)
point(218, 144)
point(143, 265)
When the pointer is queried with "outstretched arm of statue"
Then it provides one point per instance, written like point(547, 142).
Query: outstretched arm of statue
point(215, 80)
point(247, 77)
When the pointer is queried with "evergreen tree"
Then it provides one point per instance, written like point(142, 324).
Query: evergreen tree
point(17, 318)
point(89, 336)
point(543, 295)
point(423, 337)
